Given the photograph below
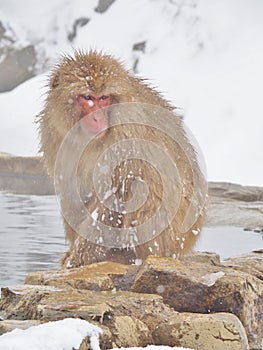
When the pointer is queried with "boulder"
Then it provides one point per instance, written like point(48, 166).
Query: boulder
point(100, 276)
point(202, 257)
point(103, 5)
point(47, 303)
point(203, 288)
point(21, 165)
point(17, 60)
point(17, 66)
point(126, 318)
point(78, 23)
point(212, 332)
point(197, 303)
point(9, 325)
point(251, 263)
point(235, 205)
point(24, 175)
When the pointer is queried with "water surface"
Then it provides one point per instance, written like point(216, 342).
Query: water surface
point(32, 237)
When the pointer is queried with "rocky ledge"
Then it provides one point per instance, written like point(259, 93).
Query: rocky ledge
point(198, 303)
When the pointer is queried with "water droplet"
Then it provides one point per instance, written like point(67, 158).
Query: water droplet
point(138, 262)
point(160, 289)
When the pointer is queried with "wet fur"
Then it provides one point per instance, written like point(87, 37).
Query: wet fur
point(108, 77)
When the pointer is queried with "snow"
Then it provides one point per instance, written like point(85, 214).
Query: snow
point(90, 103)
point(18, 133)
point(58, 335)
point(95, 214)
point(211, 278)
point(205, 56)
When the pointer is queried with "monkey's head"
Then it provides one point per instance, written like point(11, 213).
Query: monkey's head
point(82, 87)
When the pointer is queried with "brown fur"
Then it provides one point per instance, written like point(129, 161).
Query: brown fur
point(108, 77)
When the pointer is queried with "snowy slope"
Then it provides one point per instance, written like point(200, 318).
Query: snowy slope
point(206, 56)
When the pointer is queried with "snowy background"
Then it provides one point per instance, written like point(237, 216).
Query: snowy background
point(205, 56)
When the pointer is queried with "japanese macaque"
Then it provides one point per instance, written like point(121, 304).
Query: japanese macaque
point(96, 97)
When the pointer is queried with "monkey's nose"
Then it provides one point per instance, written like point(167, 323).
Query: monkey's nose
point(98, 116)
point(97, 119)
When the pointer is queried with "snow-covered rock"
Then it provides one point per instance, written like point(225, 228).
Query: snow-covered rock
point(64, 334)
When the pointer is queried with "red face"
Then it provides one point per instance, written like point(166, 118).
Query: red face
point(94, 112)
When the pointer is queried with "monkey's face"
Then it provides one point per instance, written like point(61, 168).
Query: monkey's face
point(94, 112)
point(81, 90)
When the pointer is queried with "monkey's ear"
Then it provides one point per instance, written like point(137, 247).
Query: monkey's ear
point(54, 81)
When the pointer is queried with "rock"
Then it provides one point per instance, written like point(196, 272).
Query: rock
point(138, 49)
point(47, 303)
point(127, 318)
point(78, 23)
point(20, 302)
point(141, 46)
point(128, 331)
point(17, 61)
point(21, 165)
point(103, 5)
point(17, 67)
point(203, 257)
point(203, 288)
point(105, 340)
point(235, 205)
point(10, 325)
point(206, 332)
point(251, 263)
point(237, 192)
point(100, 276)
point(199, 284)
point(24, 175)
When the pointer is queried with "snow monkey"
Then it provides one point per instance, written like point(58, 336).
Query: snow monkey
point(154, 197)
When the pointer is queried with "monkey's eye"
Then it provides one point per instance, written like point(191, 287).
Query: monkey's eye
point(104, 97)
point(87, 97)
